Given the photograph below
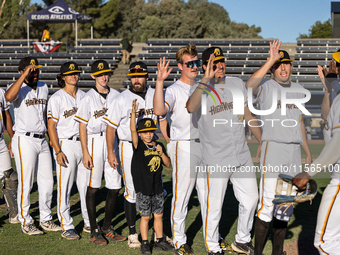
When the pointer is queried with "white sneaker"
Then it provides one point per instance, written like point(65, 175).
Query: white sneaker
point(50, 226)
point(31, 230)
point(14, 220)
point(133, 241)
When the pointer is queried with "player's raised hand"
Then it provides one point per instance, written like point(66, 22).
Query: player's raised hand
point(61, 159)
point(87, 161)
point(332, 67)
point(29, 69)
point(322, 72)
point(135, 106)
point(210, 72)
point(274, 50)
point(112, 160)
point(163, 71)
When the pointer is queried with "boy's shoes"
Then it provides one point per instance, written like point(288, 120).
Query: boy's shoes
point(145, 248)
point(111, 235)
point(70, 234)
point(165, 237)
point(163, 246)
point(31, 230)
point(246, 248)
point(14, 220)
point(184, 250)
point(133, 241)
point(225, 247)
point(97, 238)
point(50, 226)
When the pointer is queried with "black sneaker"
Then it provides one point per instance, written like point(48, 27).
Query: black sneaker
point(246, 248)
point(163, 246)
point(184, 250)
point(145, 248)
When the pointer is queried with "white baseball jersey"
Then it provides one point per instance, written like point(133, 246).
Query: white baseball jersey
point(182, 127)
point(118, 115)
point(61, 108)
point(92, 109)
point(30, 109)
point(279, 133)
point(215, 136)
point(4, 106)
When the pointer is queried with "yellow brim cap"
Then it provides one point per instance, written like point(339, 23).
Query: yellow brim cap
point(102, 71)
point(147, 129)
point(73, 71)
point(336, 56)
point(136, 74)
point(218, 58)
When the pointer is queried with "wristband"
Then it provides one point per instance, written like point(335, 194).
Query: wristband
point(58, 152)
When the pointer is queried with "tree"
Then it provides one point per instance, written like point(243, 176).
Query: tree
point(319, 30)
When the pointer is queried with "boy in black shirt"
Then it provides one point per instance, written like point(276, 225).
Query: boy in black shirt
point(146, 169)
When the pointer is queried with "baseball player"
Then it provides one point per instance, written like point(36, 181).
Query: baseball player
point(184, 148)
point(64, 136)
point(225, 146)
point(30, 148)
point(92, 132)
point(118, 120)
point(281, 144)
point(8, 176)
point(327, 232)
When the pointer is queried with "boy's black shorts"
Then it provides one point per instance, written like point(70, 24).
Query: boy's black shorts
point(146, 204)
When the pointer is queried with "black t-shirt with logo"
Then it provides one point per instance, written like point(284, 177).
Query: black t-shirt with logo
point(146, 169)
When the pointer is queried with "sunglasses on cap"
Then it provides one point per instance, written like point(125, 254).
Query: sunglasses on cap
point(137, 70)
point(192, 63)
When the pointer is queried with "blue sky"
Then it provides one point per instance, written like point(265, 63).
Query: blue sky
point(278, 19)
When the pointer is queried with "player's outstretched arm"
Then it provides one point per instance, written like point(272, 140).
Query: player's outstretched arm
point(165, 158)
point(274, 55)
point(13, 91)
point(52, 131)
point(194, 101)
point(134, 134)
point(87, 159)
point(158, 98)
point(305, 146)
point(110, 138)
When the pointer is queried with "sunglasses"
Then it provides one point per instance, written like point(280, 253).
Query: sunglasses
point(138, 70)
point(192, 63)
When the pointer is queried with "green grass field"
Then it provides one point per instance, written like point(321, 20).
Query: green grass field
point(13, 241)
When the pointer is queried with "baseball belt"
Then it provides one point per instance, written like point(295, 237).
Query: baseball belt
point(40, 136)
point(74, 138)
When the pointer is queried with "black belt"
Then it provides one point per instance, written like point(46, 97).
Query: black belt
point(35, 135)
point(76, 138)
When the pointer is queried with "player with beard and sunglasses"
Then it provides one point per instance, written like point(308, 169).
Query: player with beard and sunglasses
point(118, 120)
point(30, 148)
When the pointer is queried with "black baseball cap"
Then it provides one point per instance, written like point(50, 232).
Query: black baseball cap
point(146, 124)
point(138, 68)
point(100, 66)
point(217, 52)
point(26, 61)
point(69, 67)
point(284, 58)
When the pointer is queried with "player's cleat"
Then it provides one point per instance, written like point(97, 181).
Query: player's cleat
point(246, 248)
point(165, 237)
point(225, 247)
point(14, 220)
point(87, 229)
point(133, 241)
point(184, 250)
point(31, 230)
point(163, 246)
point(97, 238)
point(50, 226)
point(111, 235)
point(70, 234)
point(145, 248)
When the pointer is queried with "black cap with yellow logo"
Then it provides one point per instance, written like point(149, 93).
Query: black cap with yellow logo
point(100, 66)
point(69, 67)
point(138, 68)
point(284, 58)
point(217, 52)
point(26, 61)
point(146, 124)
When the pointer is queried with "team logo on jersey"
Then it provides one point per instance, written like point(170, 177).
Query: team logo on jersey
point(100, 66)
point(217, 52)
point(72, 67)
point(98, 114)
point(144, 112)
point(148, 123)
point(69, 113)
point(32, 62)
point(154, 163)
point(213, 90)
point(35, 101)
